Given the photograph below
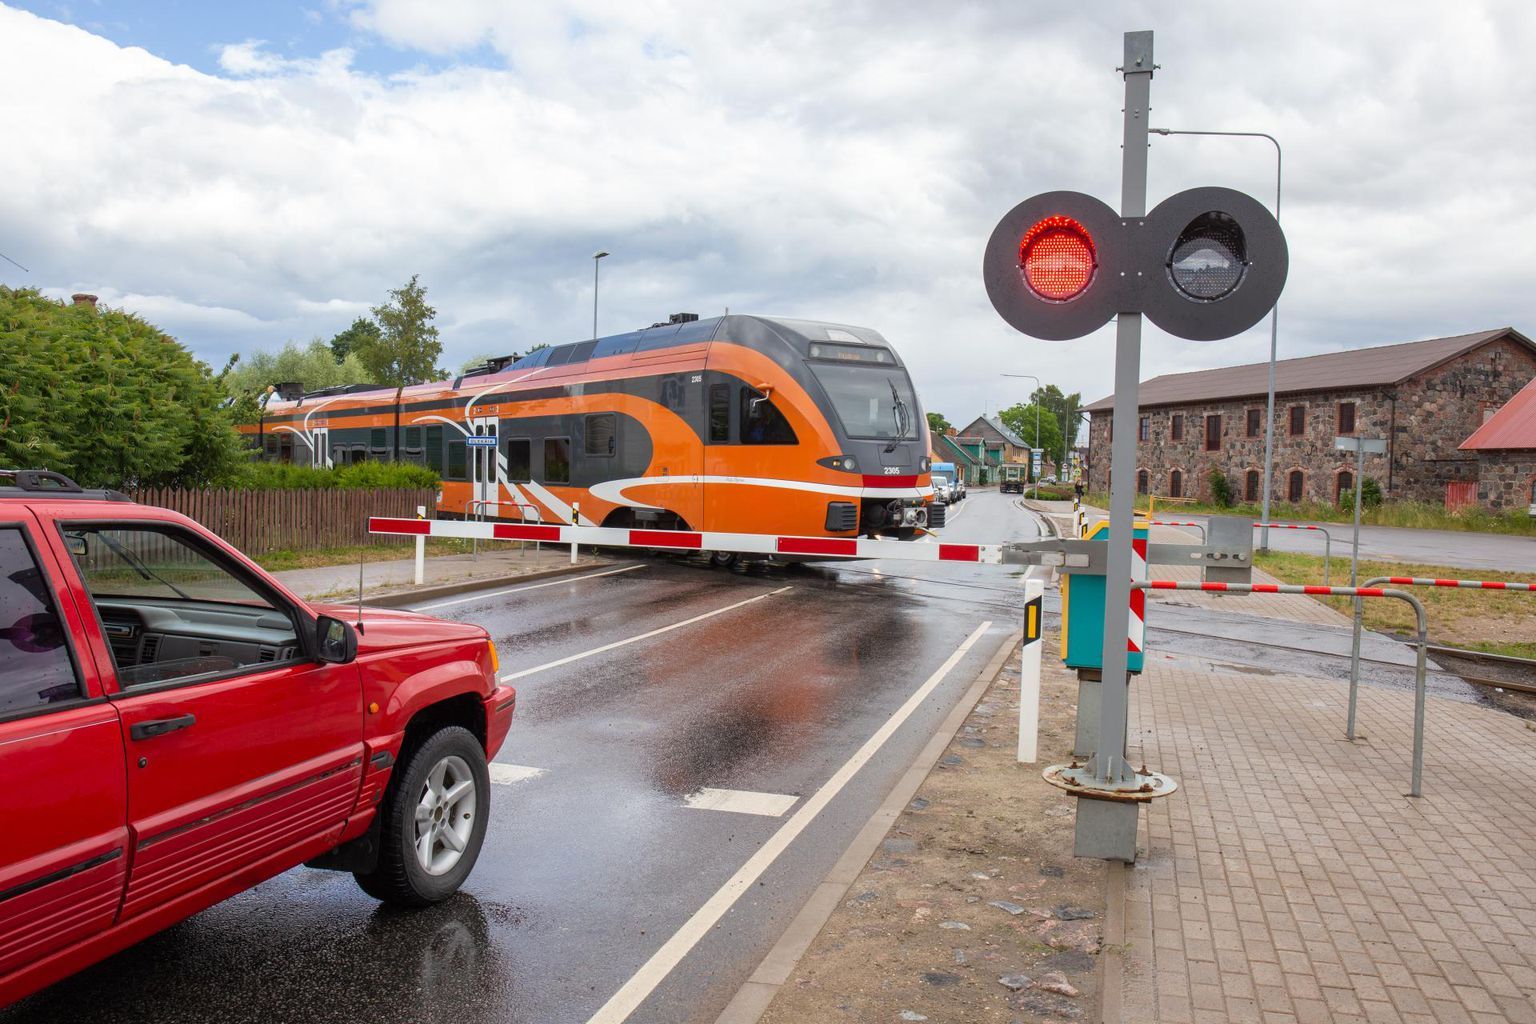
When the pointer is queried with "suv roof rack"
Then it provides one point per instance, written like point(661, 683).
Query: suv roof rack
point(28, 483)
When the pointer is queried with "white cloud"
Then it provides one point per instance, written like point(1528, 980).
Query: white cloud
point(839, 161)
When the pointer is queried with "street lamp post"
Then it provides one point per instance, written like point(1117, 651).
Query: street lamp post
point(1274, 326)
point(596, 258)
point(1034, 484)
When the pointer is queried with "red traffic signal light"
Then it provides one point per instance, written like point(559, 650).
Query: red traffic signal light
point(1058, 258)
point(1205, 264)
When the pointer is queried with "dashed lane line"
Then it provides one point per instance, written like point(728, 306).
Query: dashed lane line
point(636, 639)
point(741, 801)
point(532, 586)
point(639, 987)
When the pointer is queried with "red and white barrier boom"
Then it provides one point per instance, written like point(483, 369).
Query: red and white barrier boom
point(689, 540)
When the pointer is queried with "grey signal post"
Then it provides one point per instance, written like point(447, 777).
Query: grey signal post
point(1107, 828)
point(1359, 445)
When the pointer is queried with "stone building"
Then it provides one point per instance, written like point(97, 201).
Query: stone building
point(1505, 448)
point(1424, 397)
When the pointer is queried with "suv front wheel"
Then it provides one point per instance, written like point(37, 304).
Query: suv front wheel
point(433, 822)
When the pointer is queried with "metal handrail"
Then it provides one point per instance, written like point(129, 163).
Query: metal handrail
point(1161, 522)
point(1357, 593)
point(1327, 539)
point(1406, 581)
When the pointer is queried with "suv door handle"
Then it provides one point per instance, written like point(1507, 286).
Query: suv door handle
point(159, 727)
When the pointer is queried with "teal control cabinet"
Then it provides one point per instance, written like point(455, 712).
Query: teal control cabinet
point(1082, 612)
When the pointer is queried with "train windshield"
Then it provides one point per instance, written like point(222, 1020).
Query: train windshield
point(873, 400)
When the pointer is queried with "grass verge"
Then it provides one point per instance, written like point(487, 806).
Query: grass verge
point(388, 551)
point(1495, 621)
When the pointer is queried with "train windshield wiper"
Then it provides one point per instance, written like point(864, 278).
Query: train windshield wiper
point(899, 412)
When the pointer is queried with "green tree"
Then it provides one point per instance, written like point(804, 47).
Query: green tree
point(937, 423)
point(1021, 420)
point(406, 350)
point(108, 399)
point(1066, 411)
point(345, 343)
point(311, 364)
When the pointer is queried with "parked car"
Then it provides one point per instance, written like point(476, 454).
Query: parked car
point(945, 482)
point(176, 726)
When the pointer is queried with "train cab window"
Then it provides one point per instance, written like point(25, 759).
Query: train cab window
point(519, 460)
point(35, 666)
point(761, 421)
point(458, 468)
point(599, 439)
point(557, 460)
point(719, 414)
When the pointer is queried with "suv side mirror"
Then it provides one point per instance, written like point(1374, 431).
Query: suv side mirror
point(337, 640)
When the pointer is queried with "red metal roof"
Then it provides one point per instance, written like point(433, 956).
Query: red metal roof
point(1513, 426)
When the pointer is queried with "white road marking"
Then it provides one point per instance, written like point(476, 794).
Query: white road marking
point(636, 639)
point(639, 987)
point(741, 801)
point(951, 518)
point(507, 774)
point(532, 586)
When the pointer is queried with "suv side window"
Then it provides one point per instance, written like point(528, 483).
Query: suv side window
point(35, 665)
point(171, 610)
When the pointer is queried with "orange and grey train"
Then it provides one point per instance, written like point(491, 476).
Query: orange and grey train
point(738, 424)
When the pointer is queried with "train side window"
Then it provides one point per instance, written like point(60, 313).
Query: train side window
point(599, 439)
point(457, 466)
point(271, 448)
point(519, 460)
point(434, 445)
point(719, 414)
point(761, 421)
point(285, 447)
point(557, 460)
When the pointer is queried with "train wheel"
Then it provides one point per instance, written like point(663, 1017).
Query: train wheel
point(723, 559)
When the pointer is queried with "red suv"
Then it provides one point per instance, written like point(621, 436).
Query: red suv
point(175, 727)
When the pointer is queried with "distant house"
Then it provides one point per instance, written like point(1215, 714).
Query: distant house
point(1423, 397)
point(998, 438)
point(1505, 449)
point(947, 448)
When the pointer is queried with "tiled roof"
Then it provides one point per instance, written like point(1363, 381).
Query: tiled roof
point(1354, 368)
point(1008, 435)
point(1513, 426)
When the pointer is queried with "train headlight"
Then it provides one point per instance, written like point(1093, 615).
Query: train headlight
point(841, 463)
point(924, 464)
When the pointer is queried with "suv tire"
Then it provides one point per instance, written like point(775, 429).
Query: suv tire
point(432, 823)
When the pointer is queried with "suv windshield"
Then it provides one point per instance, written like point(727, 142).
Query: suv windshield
point(873, 402)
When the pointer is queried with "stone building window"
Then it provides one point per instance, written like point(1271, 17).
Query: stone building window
point(1144, 431)
point(1295, 486)
point(1343, 484)
point(1176, 484)
point(1176, 427)
point(1346, 417)
point(1213, 433)
point(1298, 420)
point(1255, 421)
point(1251, 486)
point(1143, 481)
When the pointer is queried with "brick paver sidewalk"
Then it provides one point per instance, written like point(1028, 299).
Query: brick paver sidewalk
point(1290, 880)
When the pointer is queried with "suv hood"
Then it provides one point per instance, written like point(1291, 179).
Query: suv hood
point(389, 628)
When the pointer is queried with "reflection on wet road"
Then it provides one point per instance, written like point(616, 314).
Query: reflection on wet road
point(651, 684)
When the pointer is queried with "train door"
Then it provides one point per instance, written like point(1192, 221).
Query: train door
point(320, 447)
point(484, 476)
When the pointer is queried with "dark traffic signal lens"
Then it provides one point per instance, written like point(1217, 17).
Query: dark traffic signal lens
point(1210, 257)
point(1058, 258)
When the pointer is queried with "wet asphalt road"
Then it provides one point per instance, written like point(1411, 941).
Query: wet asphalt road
point(591, 865)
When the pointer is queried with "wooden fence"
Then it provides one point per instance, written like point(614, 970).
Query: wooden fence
point(264, 521)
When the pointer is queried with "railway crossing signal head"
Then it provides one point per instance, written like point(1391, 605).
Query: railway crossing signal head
point(1205, 264)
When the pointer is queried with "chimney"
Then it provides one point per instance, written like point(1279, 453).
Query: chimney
point(85, 300)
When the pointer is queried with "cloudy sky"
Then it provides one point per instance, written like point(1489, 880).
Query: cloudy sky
point(242, 173)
